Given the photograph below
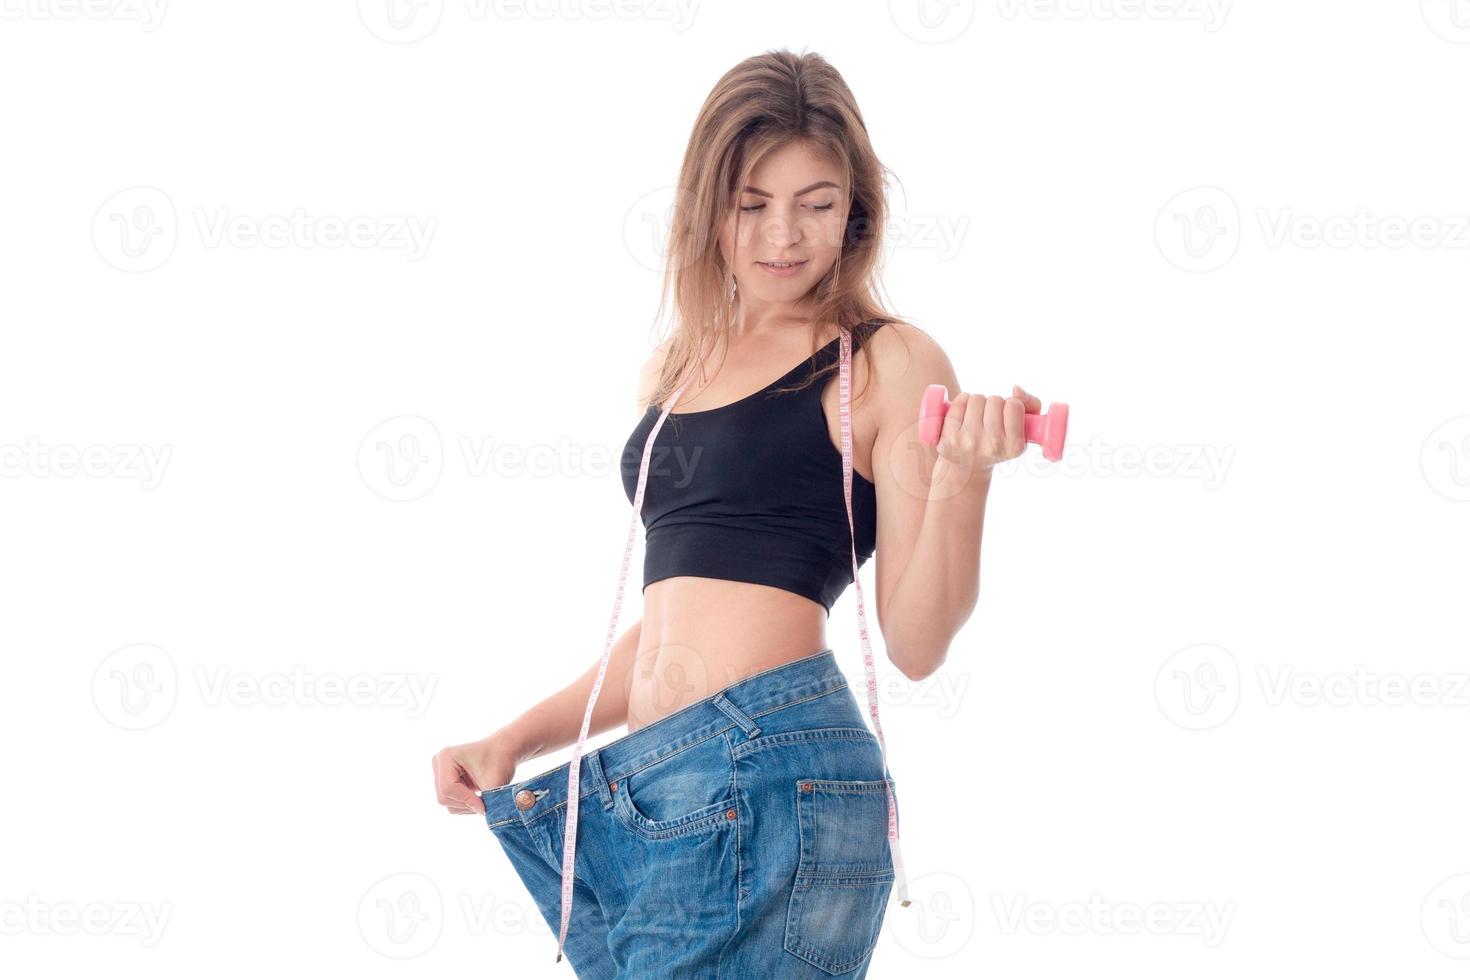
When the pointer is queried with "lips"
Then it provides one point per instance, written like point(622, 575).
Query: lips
point(783, 269)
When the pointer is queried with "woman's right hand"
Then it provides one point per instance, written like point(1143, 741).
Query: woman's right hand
point(461, 771)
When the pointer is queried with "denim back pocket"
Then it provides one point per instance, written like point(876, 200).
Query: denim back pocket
point(845, 872)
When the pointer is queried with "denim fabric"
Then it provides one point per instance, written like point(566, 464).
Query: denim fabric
point(744, 835)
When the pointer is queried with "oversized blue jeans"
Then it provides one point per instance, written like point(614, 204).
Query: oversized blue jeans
point(744, 835)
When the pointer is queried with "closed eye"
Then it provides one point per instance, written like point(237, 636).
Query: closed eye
point(752, 208)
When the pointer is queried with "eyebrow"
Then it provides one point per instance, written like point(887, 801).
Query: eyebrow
point(805, 190)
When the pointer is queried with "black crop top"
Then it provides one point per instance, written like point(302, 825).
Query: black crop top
point(752, 491)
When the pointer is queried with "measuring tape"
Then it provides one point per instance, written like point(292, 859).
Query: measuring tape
point(574, 771)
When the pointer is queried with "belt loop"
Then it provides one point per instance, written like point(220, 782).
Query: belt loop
point(594, 773)
point(746, 723)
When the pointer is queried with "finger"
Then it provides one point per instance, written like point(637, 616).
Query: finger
point(1032, 403)
point(1015, 427)
point(438, 782)
point(954, 419)
point(975, 420)
point(995, 422)
point(460, 794)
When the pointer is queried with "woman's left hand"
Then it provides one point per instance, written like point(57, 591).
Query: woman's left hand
point(980, 431)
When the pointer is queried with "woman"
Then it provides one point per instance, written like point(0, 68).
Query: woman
point(746, 825)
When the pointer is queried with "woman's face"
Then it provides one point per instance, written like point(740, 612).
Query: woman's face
point(792, 210)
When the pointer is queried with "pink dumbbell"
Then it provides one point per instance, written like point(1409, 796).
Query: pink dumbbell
point(1049, 429)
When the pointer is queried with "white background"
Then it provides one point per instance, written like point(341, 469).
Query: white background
point(1217, 677)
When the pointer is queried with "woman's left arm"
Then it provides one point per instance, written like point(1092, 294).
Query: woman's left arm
point(931, 499)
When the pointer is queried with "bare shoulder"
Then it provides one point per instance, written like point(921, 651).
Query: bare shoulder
point(906, 360)
point(651, 371)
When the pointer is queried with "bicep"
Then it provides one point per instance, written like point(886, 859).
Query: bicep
point(903, 465)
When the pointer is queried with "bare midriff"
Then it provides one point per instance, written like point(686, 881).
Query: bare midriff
point(702, 634)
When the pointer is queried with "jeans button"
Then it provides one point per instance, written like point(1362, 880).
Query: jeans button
point(525, 799)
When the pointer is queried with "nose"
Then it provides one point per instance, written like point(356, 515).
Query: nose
point(779, 232)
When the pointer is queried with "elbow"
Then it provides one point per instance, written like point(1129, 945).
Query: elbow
point(920, 667)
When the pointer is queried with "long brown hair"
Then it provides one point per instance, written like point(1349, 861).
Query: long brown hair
point(761, 104)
